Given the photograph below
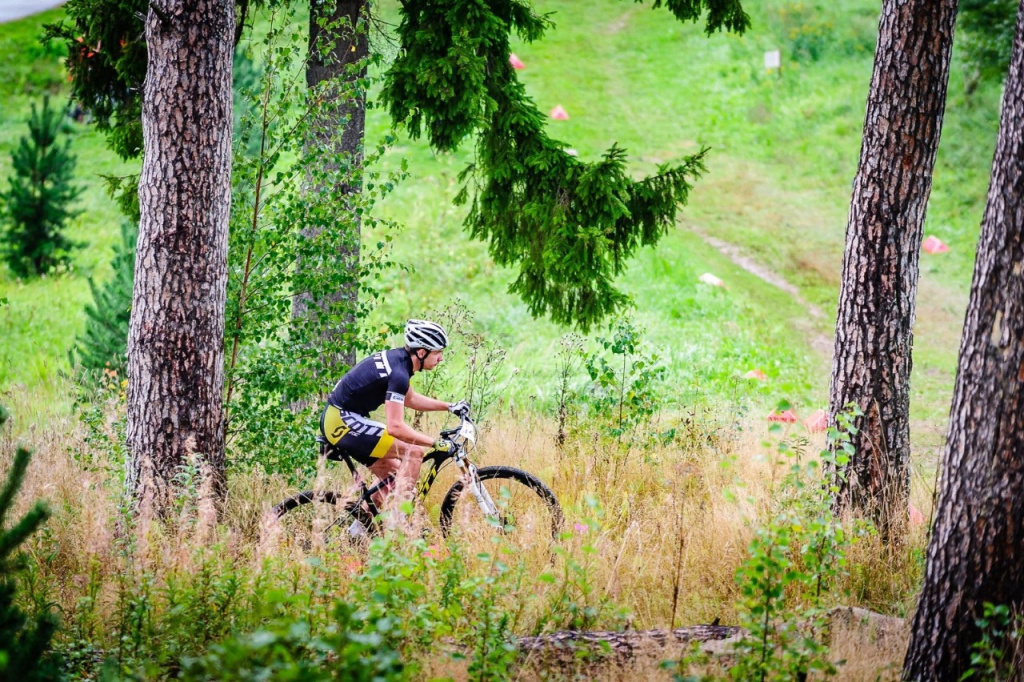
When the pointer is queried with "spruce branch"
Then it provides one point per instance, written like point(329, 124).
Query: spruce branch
point(568, 225)
point(722, 14)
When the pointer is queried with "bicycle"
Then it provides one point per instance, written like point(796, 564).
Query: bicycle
point(510, 502)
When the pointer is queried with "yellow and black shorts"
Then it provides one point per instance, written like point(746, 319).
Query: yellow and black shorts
point(365, 440)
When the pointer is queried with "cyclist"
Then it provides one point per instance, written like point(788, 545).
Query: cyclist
point(384, 379)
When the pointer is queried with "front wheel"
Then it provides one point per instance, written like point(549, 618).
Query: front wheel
point(529, 516)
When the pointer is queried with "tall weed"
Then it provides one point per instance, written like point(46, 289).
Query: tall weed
point(794, 566)
point(650, 543)
point(624, 395)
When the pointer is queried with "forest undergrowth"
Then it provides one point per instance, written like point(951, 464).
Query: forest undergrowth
point(659, 533)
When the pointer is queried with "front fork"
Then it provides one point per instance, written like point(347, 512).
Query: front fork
point(472, 481)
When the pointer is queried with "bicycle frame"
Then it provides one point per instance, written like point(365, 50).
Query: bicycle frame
point(436, 459)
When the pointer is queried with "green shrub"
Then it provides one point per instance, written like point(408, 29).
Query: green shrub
point(985, 33)
point(809, 32)
point(352, 648)
point(807, 35)
point(38, 202)
point(281, 349)
point(624, 393)
point(999, 654)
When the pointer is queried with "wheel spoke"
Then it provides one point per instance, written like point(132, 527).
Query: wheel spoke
point(528, 515)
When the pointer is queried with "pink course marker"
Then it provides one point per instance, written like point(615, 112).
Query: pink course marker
point(817, 422)
point(559, 113)
point(934, 245)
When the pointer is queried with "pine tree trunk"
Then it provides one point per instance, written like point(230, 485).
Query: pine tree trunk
point(874, 325)
point(976, 552)
point(176, 334)
point(349, 46)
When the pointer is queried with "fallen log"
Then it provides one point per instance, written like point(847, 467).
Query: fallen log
point(630, 644)
point(717, 640)
point(876, 626)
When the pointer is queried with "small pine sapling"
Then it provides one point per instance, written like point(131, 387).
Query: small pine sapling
point(37, 204)
point(104, 343)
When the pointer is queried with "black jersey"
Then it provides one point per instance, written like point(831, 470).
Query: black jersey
point(382, 376)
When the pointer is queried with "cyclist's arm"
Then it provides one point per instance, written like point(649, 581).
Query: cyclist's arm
point(422, 403)
point(395, 421)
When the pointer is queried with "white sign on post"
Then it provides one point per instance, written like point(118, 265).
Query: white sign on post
point(772, 59)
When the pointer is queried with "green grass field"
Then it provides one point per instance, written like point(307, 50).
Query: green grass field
point(784, 150)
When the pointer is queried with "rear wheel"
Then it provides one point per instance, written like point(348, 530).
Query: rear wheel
point(319, 518)
point(529, 516)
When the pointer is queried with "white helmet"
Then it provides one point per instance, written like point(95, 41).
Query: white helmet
point(425, 334)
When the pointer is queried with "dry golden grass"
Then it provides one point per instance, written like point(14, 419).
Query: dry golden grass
point(666, 545)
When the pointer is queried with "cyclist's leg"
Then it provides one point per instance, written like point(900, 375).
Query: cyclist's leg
point(404, 460)
point(369, 443)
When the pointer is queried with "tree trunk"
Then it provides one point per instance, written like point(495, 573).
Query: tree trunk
point(176, 334)
point(976, 552)
point(344, 156)
point(874, 326)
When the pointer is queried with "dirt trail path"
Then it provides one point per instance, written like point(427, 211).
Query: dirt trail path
point(937, 326)
point(820, 342)
point(791, 237)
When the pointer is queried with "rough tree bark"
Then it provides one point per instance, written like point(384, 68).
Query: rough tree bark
point(349, 46)
point(176, 334)
point(874, 326)
point(976, 551)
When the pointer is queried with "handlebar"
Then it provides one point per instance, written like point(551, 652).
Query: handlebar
point(450, 434)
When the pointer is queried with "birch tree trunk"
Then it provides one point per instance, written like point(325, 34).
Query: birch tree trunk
point(176, 334)
point(874, 325)
point(976, 551)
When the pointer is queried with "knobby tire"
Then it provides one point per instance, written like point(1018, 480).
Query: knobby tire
point(453, 497)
